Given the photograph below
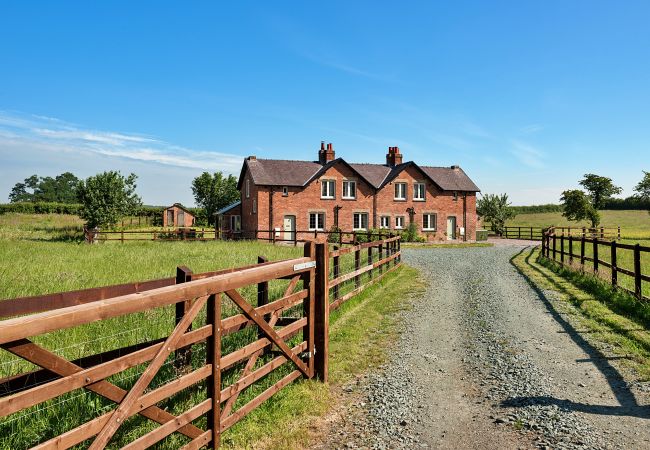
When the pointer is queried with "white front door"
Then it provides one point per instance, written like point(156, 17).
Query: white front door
point(289, 227)
point(451, 227)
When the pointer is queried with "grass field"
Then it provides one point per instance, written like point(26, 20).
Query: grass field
point(37, 257)
point(635, 225)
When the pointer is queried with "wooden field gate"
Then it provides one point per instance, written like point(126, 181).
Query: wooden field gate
point(219, 346)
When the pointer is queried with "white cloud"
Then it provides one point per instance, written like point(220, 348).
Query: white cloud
point(532, 128)
point(527, 154)
point(59, 136)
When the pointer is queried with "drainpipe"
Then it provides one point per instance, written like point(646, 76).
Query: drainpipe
point(270, 213)
point(465, 216)
point(374, 209)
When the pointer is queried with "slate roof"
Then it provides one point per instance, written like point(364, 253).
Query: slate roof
point(228, 208)
point(278, 172)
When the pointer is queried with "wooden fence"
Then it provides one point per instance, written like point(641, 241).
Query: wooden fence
point(163, 234)
point(537, 233)
point(224, 355)
point(531, 233)
point(620, 264)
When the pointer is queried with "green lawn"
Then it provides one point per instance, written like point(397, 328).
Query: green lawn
point(634, 224)
point(38, 255)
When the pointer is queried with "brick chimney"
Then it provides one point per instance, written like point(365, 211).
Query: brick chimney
point(325, 154)
point(394, 157)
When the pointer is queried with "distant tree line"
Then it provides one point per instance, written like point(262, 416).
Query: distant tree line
point(103, 199)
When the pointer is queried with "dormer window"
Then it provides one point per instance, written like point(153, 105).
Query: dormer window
point(328, 189)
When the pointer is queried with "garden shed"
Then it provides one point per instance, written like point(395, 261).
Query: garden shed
point(178, 216)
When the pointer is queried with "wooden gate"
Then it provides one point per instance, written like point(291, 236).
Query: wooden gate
point(286, 324)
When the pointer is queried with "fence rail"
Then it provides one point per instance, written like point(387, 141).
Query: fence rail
point(263, 325)
point(608, 259)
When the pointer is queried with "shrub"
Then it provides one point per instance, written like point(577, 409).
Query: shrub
point(334, 236)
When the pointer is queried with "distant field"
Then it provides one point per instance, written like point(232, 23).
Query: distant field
point(635, 225)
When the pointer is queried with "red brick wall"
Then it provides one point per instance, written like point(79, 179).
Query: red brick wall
point(301, 201)
point(189, 218)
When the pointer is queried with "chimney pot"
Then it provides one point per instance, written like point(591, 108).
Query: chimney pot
point(252, 158)
point(322, 145)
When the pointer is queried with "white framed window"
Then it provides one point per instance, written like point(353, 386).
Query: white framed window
point(316, 221)
point(327, 189)
point(429, 222)
point(400, 191)
point(419, 192)
point(399, 222)
point(384, 222)
point(235, 223)
point(254, 206)
point(248, 188)
point(349, 189)
point(285, 191)
point(360, 221)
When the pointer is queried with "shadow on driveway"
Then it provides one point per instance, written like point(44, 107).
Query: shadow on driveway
point(628, 405)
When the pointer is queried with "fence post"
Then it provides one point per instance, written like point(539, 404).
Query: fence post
point(295, 238)
point(570, 249)
point(357, 266)
point(582, 251)
point(399, 249)
point(381, 256)
point(519, 233)
point(370, 261)
point(531, 233)
point(322, 314)
point(554, 241)
point(336, 274)
point(122, 236)
point(619, 233)
point(183, 356)
point(637, 271)
point(262, 296)
point(595, 254)
point(583, 232)
point(562, 248)
point(614, 267)
point(213, 357)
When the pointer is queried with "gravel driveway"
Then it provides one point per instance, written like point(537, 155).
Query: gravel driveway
point(486, 361)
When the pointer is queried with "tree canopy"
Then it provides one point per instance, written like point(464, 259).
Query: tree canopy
point(495, 209)
point(107, 197)
point(599, 188)
point(61, 189)
point(577, 207)
point(214, 191)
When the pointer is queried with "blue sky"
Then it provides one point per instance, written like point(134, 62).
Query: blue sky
point(525, 96)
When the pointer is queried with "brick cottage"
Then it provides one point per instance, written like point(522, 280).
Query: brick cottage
point(288, 196)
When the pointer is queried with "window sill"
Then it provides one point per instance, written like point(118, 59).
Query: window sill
point(328, 198)
point(419, 199)
point(429, 229)
point(399, 199)
point(348, 198)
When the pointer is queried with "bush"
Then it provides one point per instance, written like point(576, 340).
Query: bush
point(334, 236)
point(410, 234)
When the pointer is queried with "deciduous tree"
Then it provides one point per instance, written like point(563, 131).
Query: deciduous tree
point(61, 189)
point(495, 209)
point(107, 197)
point(577, 207)
point(643, 188)
point(599, 188)
point(213, 192)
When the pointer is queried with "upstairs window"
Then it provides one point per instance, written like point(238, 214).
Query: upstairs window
point(399, 222)
point(455, 196)
point(419, 192)
point(327, 189)
point(316, 221)
point(400, 191)
point(384, 222)
point(349, 189)
point(254, 206)
point(285, 191)
point(248, 188)
point(360, 221)
point(429, 222)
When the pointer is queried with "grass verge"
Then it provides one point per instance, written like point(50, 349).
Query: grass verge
point(609, 316)
point(360, 335)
